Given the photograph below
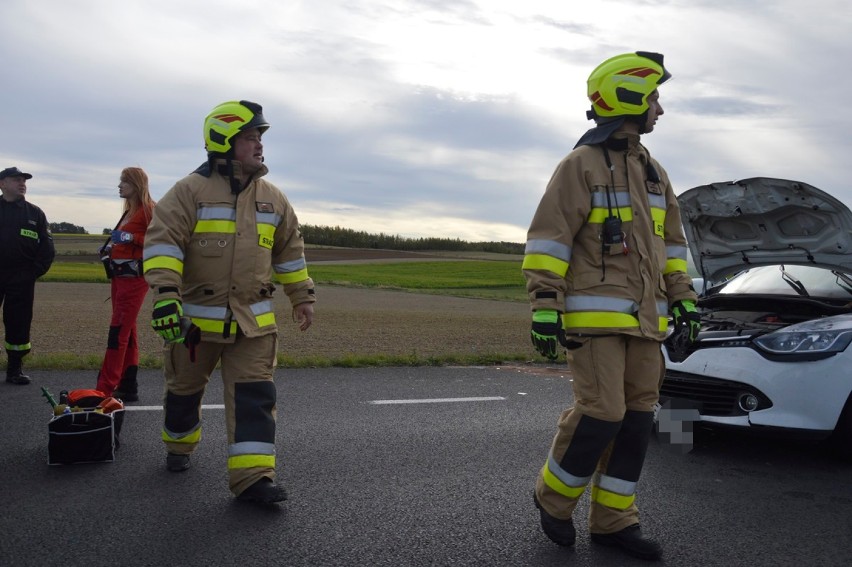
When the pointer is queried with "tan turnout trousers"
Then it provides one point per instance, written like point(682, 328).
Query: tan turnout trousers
point(611, 375)
point(247, 367)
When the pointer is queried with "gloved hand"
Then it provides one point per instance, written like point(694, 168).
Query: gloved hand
point(121, 237)
point(685, 316)
point(166, 320)
point(546, 332)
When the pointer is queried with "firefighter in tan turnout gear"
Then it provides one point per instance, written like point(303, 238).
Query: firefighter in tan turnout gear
point(605, 261)
point(219, 241)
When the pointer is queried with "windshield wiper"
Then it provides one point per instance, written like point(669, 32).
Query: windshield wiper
point(843, 279)
point(794, 283)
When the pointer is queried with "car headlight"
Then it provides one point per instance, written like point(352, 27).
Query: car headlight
point(822, 336)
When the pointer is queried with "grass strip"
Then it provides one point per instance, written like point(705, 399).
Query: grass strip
point(73, 361)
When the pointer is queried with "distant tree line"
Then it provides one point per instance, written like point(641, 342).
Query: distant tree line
point(66, 228)
point(348, 238)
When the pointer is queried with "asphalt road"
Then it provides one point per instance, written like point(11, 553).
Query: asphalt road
point(440, 482)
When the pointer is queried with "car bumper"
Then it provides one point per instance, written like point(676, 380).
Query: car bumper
point(807, 396)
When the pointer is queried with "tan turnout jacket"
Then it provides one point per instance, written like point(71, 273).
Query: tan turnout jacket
point(221, 254)
point(608, 289)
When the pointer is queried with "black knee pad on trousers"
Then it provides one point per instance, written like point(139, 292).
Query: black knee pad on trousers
point(112, 337)
point(631, 443)
point(253, 404)
point(591, 436)
point(182, 411)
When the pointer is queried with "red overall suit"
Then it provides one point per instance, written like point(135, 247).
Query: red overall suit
point(128, 290)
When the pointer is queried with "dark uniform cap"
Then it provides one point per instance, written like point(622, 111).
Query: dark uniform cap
point(14, 172)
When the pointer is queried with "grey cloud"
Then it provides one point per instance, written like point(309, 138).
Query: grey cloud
point(723, 106)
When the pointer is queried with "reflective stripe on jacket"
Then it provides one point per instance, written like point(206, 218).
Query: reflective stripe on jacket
point(222, 253)
point(616, 288)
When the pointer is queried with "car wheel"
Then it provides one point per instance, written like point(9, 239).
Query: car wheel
point(841, 439)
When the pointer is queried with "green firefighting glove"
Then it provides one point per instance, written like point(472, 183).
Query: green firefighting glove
point(686, 319)
point(546, 332)
point(166, 320)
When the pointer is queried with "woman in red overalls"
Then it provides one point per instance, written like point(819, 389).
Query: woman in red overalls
point(117, 376)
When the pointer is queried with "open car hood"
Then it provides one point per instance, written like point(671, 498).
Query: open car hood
point(734, 225)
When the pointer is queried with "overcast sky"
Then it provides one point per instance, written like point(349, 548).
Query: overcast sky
point(413, 117)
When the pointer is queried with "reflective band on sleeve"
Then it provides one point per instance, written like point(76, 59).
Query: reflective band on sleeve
point(23, 347)
point(162, 262)
point(549, 248)
point(290, 272)
point(251, 461)
point(543, 262)
point(562, 482)
point(675, 265)
point(162, 250)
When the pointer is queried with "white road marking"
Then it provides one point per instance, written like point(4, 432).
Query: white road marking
point(160, 408)
point(437, 400)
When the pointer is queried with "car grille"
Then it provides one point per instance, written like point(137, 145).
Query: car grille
point(713, 396)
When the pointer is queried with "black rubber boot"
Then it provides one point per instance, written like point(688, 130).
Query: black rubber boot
point(177, 463)
point(631, 541)
point(264, 491)
point(15, 370)
point(128, 388)
point(560, 532)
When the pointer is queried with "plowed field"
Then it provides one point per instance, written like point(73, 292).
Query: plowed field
point(74, 318)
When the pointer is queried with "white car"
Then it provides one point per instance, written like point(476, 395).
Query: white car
point(776, 311)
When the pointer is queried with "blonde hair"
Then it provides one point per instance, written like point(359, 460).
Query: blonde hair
point(141, 198)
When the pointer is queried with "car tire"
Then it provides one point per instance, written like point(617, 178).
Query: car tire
point(841, 439)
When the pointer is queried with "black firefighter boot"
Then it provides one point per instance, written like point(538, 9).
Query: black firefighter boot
point(128, 388)
point(15, 369)
point(264, 491)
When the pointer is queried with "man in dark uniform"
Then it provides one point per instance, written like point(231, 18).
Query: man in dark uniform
point(26, 252)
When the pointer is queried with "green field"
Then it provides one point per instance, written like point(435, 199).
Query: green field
point(471, 278)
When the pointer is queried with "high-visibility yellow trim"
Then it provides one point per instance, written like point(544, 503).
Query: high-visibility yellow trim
point(214, 325)
point(222, 226)
point(658, 216)
point(265, 235)
point(250, 461)
point(605, 319)
point(291, 277)
point(163, 262)
point(193, 437)
point(545, 262)
point(557, 485)
point(675, 265)
point(611, 499)
point(598, 215)
point(25, 346)
point(265, 319)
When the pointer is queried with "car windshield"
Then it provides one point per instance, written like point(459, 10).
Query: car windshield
point(789, 280)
